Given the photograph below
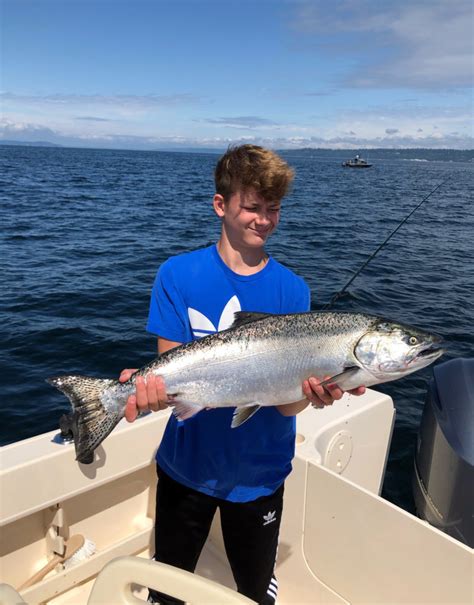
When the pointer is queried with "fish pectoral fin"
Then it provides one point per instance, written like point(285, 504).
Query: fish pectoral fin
point(183, 411)
point(345, 379)
point(241, 415)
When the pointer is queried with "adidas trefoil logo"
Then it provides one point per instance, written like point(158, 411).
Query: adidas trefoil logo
point(270, 517)
point(202, 326)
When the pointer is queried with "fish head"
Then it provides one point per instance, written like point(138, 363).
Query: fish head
point(391, 350)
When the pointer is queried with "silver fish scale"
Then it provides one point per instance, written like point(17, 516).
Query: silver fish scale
point(261, 362)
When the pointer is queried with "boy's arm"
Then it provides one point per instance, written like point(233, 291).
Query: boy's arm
point(165, 345)
point(150, 390)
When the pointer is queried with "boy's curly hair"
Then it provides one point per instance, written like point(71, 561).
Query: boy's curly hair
point(252, 167)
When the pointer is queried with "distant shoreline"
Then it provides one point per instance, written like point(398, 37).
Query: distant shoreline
point(405, 153)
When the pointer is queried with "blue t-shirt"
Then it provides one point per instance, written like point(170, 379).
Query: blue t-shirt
point(196, 294)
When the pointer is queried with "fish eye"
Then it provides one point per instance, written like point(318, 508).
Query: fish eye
point(413, 340)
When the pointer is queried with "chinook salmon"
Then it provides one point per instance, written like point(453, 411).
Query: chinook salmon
point(261, 360)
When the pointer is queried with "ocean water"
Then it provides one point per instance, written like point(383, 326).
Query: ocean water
point(84, 231)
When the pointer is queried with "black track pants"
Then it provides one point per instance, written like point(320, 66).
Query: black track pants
point(250, 531)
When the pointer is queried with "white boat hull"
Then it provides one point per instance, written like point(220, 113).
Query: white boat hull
point(339, 543)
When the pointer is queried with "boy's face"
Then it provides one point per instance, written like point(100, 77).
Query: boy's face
point(247, 217)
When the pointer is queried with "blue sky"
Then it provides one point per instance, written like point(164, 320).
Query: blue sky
point(156, 74)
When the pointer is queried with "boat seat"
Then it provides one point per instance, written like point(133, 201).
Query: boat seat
point(114, 584)
point(9, 596)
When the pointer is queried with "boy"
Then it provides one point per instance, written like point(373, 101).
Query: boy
point(202, 463)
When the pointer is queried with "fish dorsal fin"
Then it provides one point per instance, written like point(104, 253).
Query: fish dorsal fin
point(246, 317)
point(241, 415)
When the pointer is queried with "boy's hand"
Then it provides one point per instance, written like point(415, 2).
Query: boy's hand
point(320, 396)
point(150, 394)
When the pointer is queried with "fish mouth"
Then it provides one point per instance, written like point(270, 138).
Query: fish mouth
point(430, 352)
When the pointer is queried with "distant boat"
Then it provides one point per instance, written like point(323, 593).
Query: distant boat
point(357, 162)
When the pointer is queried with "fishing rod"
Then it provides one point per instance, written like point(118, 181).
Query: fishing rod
point(341, 292)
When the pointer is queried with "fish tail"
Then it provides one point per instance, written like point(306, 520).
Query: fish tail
point(90, 422)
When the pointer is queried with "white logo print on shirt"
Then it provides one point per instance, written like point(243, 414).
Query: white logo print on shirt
point(202, 326)
point(270, 517)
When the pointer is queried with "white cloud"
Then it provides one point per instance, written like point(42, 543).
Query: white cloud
point(35, 132)
point(117, 101)
point(249, 122)
point(406, 120)
point(92, 119)
point(25, 131)
point(418, 44)
point(96, 114)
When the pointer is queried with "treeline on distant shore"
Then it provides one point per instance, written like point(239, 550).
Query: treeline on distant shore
point(417, 153)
